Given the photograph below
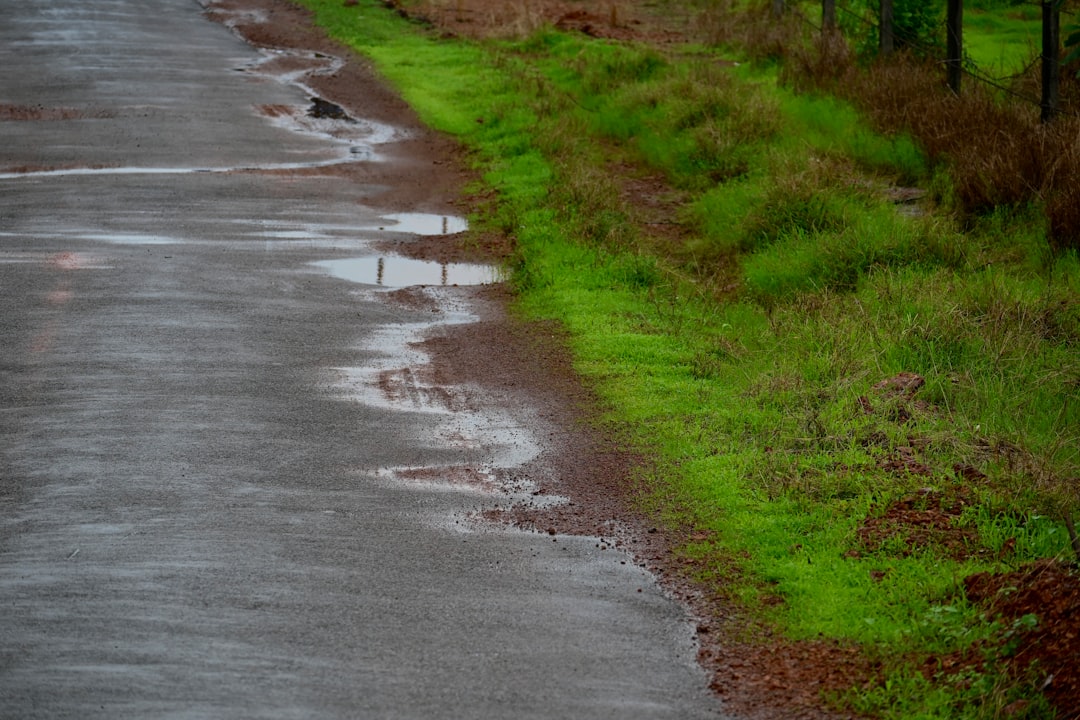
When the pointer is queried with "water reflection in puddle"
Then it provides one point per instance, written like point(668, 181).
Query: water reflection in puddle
point(398, 271)
point(426, 224)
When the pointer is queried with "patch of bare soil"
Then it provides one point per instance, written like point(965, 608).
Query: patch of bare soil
point(785, 679)
point(1040, 603)
point(926, 520)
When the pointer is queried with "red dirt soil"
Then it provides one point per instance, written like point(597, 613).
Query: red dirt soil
point(1050, 591)
point(926, 520)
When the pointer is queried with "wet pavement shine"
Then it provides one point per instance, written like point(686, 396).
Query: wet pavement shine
point(226, 488)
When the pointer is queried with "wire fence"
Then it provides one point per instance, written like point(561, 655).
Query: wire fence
point(1004, 84)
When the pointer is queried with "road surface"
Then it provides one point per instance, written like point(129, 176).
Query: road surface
point(228, 488)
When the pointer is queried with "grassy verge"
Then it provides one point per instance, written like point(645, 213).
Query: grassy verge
point(1003, 39)
point(811, 366)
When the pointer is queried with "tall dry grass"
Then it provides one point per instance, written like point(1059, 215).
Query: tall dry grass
point(997, 150)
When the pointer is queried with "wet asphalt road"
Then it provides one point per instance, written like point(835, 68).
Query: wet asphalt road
point(211, 444)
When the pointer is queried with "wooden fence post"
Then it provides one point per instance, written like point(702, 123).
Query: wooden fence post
point(828, 15)
point(1051, 58)
point(886, 37)
point(955, 43)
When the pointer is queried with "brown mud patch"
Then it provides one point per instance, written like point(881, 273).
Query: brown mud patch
point(917, 523)
point(415, 298)
point(275, 111)
point(1039, 605)
point(405, 386)
point(480, 247)
point(786, 679)
point(294, 63)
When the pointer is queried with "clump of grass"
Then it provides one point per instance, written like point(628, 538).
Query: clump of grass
point(807, 259)
point(790, 208)
point(605, 67)
point(835, 130)
point(588, 196)
point(695, 123)
point(1061, 196)
point(819, 63)
point(1002, 40)
point(909, 692)
point(753, 27)
point(812, 186)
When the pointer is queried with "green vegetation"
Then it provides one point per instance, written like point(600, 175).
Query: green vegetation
point(751, 356)
point(1003, 40)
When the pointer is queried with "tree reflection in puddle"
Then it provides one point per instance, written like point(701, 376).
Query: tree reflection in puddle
point(398, 271)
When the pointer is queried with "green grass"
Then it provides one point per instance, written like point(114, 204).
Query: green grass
point(1003, 40)
point(742, 361)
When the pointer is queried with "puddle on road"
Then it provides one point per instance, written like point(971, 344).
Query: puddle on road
point(400, 379)
point(317, 234)
point(397, 271)
point(426, 224)
point(322, 117)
